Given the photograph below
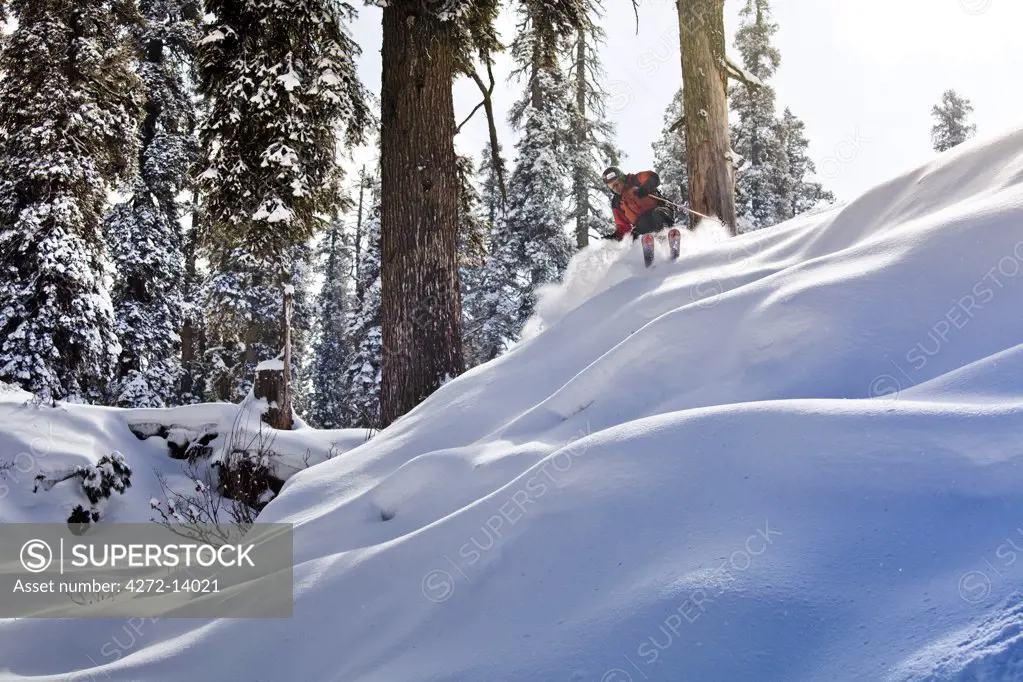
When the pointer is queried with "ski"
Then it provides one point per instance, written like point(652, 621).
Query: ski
point(648, 249)
point(675, 242)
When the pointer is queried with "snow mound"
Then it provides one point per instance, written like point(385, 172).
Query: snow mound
point(39, 439)
point(12, 393)
point(790, 456)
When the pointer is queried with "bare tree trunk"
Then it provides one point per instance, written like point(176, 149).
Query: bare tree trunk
point(285, 406)
point(189, 352)
point(496, 162)
point(582, 192)
point(359, 293)
point(705, 96)
point(421, 304)
point(192, 337)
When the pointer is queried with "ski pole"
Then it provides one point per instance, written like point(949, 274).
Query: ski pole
point(688, 210)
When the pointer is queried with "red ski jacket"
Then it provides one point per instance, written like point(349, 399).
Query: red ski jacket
point(628, 207)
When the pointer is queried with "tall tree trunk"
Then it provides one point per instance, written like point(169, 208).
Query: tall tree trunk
point(192, 338)
point(582, 192)
point(359, 289)
point(705, 96)
point(421, 305)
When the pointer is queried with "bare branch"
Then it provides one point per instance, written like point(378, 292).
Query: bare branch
point(472, 113)
point(488, 106)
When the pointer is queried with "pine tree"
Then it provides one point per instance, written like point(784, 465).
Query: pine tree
point(493, 298)
point(590, 143)
point(473, 227)
point(303, 325)
point(332, 353)
point(145, 233)
point(474, 233)
point(670, 154)
point(805, 193)
point(69, 105)
point(537, 210)
point(239, 290)
point(360, 382)
point(763, 194)
point(951, 128)
point(279, 81)
point(366, 184)
point(501, 299)
point(492, 203)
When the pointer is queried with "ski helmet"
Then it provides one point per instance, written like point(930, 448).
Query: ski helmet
point(611, 174)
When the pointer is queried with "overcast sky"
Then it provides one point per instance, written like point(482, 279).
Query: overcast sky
point(862, 74)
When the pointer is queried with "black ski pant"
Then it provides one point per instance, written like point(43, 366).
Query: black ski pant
point(652, 221)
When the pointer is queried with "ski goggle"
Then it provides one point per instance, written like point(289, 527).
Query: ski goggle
point(615, 185)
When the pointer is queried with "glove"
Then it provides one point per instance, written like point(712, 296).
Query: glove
point(642, 192)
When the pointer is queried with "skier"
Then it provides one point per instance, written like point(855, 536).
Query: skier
point(635, 205)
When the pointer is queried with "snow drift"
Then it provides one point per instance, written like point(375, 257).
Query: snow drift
point(792, 455)
point(37, 439)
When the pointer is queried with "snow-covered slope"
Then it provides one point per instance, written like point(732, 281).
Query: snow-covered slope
point(790, 456)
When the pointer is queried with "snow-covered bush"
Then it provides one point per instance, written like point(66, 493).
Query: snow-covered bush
point(110, 474)
point(99, 482)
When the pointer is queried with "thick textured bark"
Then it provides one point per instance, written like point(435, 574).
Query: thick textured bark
point(705, 97)
point(582, 192)
point(421, 305)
